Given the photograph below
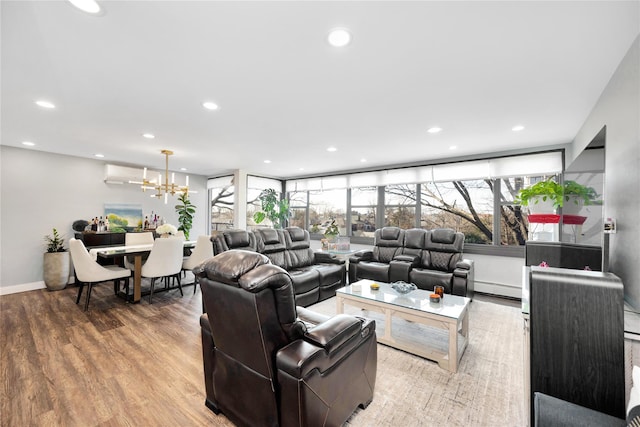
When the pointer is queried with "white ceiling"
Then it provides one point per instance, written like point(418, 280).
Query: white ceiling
point(475, 68)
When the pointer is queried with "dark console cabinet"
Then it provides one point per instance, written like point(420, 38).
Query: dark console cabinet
point(576, 332)
point(101, 239)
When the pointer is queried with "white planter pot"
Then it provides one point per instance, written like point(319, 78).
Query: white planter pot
point(56, 270)
point(538, 206)
point(573, 205)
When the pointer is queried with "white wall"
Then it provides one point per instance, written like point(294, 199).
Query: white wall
point(40, 191)
point(619, 110)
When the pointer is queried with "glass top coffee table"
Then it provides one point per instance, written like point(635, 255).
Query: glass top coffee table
point(443, 341)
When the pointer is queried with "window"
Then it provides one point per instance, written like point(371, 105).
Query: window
point(325, 206)
point(400, 205)
point(298, 205)
point(364, 203)
point(222, 193)
point(255, 185)
point(465, 206)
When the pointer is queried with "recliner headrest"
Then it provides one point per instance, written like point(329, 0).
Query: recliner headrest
point(230, 265)
point(236, 239)
point(269, 236)
point(296, 233)
point(390, 233)
point(443, 235)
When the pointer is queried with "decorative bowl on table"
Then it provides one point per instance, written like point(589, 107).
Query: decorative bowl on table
point(403, 287)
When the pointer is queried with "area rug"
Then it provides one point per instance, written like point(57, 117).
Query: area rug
point(486, 391)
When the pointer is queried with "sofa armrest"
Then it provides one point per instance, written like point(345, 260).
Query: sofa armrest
point(326, 258)
point(463, 278)
point(363, 255)
point(464, 264)
point(411, 259)
point(324, 345)
point(553, 412)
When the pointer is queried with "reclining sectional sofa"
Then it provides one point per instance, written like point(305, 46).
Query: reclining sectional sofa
point(315, 275)
point(424, 257)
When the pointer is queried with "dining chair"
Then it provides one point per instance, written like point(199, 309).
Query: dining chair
point(165, 260)
point(203, 251)
point(89, 272)
point(131, 239)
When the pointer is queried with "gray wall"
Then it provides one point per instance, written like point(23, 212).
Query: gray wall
point(39, 191)
point(619, 110)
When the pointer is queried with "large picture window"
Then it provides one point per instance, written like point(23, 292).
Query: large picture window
point(222, 195)
point(325, 207)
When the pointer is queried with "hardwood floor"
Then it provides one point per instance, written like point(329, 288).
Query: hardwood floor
point(117, 364)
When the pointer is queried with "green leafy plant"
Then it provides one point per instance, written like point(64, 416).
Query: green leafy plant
point(54, 242)
point(185, 211)
point(274, 209)
point(588, 194)
point(545, 190)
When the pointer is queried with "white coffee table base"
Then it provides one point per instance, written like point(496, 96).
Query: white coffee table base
point(457, 329)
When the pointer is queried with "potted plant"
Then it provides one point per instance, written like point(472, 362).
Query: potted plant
point(56, 262)
point(543, 197)
point(275, 210)
point(185, 214)
point(576, 196)
point(330, 235)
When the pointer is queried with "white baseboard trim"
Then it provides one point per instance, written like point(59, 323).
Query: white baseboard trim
point(498, 289)
point(23, 287)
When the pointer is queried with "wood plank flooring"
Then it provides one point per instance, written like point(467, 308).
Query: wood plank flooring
point(117, 364)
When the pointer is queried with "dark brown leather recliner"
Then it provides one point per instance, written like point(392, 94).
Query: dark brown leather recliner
point(270, 363)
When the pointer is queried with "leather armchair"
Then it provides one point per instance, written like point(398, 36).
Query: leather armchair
point(270, 363)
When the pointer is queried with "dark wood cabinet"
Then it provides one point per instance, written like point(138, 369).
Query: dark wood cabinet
point(576, 338)
point(101, 239)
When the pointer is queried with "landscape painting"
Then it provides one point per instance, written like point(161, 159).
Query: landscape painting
point(123, 216)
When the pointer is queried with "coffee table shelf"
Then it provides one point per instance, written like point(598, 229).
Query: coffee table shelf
point(444, 341)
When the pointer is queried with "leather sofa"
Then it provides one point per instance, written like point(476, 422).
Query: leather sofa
point(270, 363)
point(424, 257)
point(315, 275)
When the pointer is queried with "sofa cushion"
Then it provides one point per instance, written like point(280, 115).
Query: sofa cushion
point(269, 236)
point(296, 258)
point(304, 279)
point(374, 271)
point(237, 239)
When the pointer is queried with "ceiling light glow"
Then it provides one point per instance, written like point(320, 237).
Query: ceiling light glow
point(89, 6)
point(28, 143)
point(453, 147)
point(434, 129)
point(332, 149)
point(267, 161)
point(339, 37)
point(99, 155)
point(363, 160)
point(45, 104)
point(517, 128)
point(210, 105)
point(148, 135)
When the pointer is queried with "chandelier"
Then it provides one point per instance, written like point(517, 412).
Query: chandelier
point(164, 188)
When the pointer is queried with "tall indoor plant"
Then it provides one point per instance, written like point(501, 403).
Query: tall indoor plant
point(185, 211)
point(274, 209)
point(56, 262)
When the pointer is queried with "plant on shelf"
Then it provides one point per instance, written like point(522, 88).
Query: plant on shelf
point(587, 194)
point(274, 209)
point(544, 191)
point(185, 212)
point(56, 262)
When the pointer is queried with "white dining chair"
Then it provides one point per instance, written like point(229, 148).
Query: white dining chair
point(89, 272)
point(203, 251)
point(165, 260)
point(131, 239)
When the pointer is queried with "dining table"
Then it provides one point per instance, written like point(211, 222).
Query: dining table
point(137, 252)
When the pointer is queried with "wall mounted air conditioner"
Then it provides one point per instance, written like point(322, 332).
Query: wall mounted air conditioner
point(122, 175)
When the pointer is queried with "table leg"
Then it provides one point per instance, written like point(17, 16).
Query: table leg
point(137, 278)
point(339, 305)
point(453, 347)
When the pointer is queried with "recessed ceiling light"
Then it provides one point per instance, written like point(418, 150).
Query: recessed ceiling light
point(99, 155)
point(301, 169)
point(267, 161)
point(434, 130)
point(28, 143)
point(332, 149)
point(517, 128)
point(363, 160)
point(453, 147)
point(339, 37)
point(45, 104)
point(148, 135)
point(183, 169)
point(89, 6)
point(210, 105)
